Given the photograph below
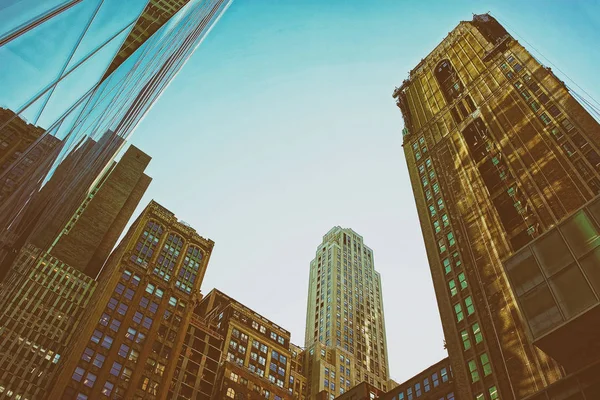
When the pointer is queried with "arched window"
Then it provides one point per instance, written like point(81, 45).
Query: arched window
point(230, 393)
point(147, 241)
point(168, 256)
point(189, 270)
point(448, 80)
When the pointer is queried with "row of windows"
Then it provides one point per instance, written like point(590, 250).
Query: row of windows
point(425, 386)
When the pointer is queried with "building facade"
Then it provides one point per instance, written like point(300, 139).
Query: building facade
point(345, 328)
point(47, 290)
point(498, 152)
point(196, 372)
point(135, 325)
point(257, 356)
point(434, 383)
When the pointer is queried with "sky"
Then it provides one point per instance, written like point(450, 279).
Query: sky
point(282, 125)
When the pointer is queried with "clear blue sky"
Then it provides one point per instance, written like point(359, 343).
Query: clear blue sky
point(282, 125)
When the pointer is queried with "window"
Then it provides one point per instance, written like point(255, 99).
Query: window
point(480, 396)
point(470, 306)
point(442, 245)
point(129, 294)
point(459, 312)
point(137, 317)
point(435, 379)
point(462, 280)
point(545, 119)
point(432, 211)
point(122, 308)
point(173, 301)
point(115, 324)
point(432, 175)
point(426, 385)
point(147, 323)
point(107, 342)
point(444, 374)
point(428, 195)
point(123, 350)
point(126, 375)
point(477, 333)
point(115, 369)
point(418, 389)
point(445, 220)
point(451, 240)
point(99, 360)
point(425, 181)
point(90, 379)
point(447, 266)
point(112, 303)
point(130, 335)
point(436, 188)
point(473, 370)
point(554, 111)
point(107, 389)
point(78, 374)
point(421, 169)
point(466, 340)
point(87, 354)
point(493, 393)
point(485, 364)
point(452, 286)
point(437, 227)
point(230, 393)
point(440, 203)
point(104, 319)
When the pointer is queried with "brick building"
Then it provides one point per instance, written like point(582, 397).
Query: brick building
point(137, 319)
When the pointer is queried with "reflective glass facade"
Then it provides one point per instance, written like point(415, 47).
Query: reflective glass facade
point(76, 73)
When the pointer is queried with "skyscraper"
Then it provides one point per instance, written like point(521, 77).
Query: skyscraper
point(78, 70)
point(499, 151)
point(345, 328)
point(47, 290)
point(135, 325)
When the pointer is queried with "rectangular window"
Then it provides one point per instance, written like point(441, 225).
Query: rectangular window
point(428, 195)
point(480, 396)
point(99, 360)
point(473, 370)
point(436, 188)
point(435, 379)
point(440, 203)
point(87, 354)
point(485, 364)
point(452, 286)
point(115, 369)
point(444, 374)
point(462, 280)
point(442, 245)
point(418, 389)
point(436, 226)
point(432, 211)
point(90, 379)
point(545, 119)
point(470, 306)
point(466, 340)
point(451, 240)
point(477, 333)
point(78, 374)
point(447, 265)
point(445, 220)
point(459, 312)
point(493, 393)
point(107, 342)
point(554, 111)
point(426, 385)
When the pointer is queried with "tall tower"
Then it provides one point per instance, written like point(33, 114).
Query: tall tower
point(498, 152)
point(345, 328)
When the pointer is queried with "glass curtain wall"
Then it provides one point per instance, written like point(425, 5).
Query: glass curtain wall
point(76, 78)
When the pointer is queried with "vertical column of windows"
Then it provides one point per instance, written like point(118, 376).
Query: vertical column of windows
point(144, 249)
point(189, 270)
point(168, 257)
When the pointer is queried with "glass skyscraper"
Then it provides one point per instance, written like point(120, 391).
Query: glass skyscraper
point(77, 71)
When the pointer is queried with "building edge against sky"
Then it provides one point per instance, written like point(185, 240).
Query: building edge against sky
point(498, 151)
